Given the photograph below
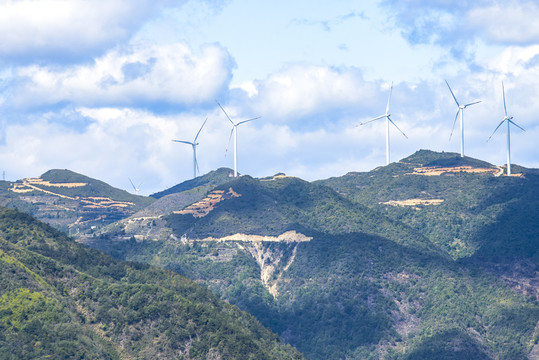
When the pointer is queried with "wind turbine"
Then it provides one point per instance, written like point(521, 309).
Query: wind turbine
point(461, 111)
point(194, 145)
point(235, 132)
point(387, 115)
point(136, 188)
point(510, 121)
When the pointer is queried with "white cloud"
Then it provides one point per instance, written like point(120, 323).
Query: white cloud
point(154, 74)
point(506, 22)
point(515, 60)
point(302, 90)
point(117, 144)
point(462, 27)
point(60, 29)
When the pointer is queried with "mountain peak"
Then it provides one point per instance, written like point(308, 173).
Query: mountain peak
point(213, 178)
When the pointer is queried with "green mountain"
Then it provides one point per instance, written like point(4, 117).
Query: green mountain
point(461, 205)
point(61, 300)
point(71, 202)
point(209, 180)
point(149, 222)
point(429, 257)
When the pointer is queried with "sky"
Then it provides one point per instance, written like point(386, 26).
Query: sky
point(103, 87)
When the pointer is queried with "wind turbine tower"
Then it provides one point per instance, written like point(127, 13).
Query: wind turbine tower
point(235, 132)
point(510, 121)
point(387, 115)
point(194, 145)
point(461, 111)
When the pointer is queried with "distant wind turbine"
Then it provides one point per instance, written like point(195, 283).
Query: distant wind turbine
point(387, 115)
point(136, 188)
point(461, 111)
point(235, 132)
point(510, 121)
point(194, 145)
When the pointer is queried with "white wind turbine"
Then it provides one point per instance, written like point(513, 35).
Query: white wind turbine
point(235, 131)
point(461, 111)
point(510, 121)
point(194, 145)
point(387, 115)
point(136, 188)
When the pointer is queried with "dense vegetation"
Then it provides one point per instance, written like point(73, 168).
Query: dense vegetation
point(271, 207)
point(59, 299)
point(375, 281)
point(453, 280)
point(361, 296)
point(485, 217)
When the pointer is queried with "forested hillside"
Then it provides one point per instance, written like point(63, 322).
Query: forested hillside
point(59, 299)
point(365, 272)
point(434, 256)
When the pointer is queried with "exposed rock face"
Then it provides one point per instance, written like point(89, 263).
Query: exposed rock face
point(272, 260)
point(287, 237)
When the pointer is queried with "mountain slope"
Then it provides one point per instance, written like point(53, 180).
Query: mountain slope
point(460, 204)
point(149, 222)
point(71, 202)
point(59, 299)
point(356, 295)
point(341, 279)
point(211, 179)
point(276, 205)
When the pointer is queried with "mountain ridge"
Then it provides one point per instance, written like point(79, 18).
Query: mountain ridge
point(434, 254)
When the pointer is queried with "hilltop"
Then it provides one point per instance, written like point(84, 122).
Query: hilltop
point(209, 180)
point(60, 299)
point(71, 202)
point(462, 205)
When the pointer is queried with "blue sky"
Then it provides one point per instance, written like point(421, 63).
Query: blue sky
point(102, 88)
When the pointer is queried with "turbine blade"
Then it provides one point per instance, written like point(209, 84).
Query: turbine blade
point(454, 123)
point(397, 127)
point(371, 120)
point(133, 185)
point(244, 121)
point(504, 107)
point(228, 117)
point(512, 122)
point(196, 137)
point(473, 103)
point(184, 142)
point(389, 99)
point(452, 93)
point(229, 138)
point(497, 127)
point(196, 163)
